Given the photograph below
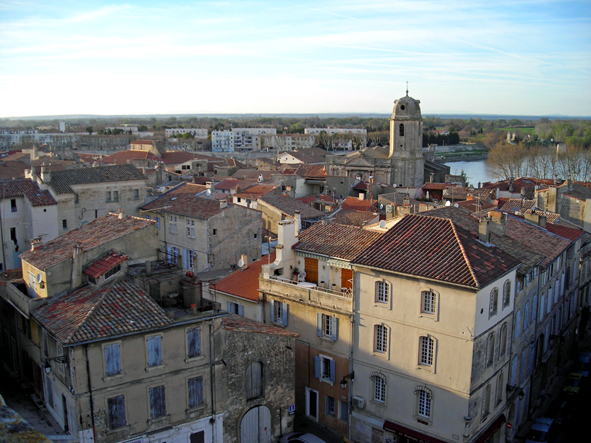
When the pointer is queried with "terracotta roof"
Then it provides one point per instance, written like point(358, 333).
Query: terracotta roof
point(517, 204)
point(475, 205)
point(256, 191)
point(308, 155)
point(357, 204)
point(24, 187)
point(435, 186)
point(229, 183)
point(579, 191)
point(15, 156)
point(464, 219)
point(62, 180)
point(571, 234)
point(436, 248)
point(90, 235)
point(253, 174)
point(244, 283)
point(105, 264)
point(178, 157)
point(316, 198)
point(123, 157)
point(289, 205)
point(143, 142)
point(233, 322)
point(184, 200)
point(551, 217)
point(89, 314)
point(13, 169)
point(335, 240)
point(311, 172)
point(352, 218)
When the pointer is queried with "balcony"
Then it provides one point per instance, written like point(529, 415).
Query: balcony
point(307, 292)
point(15, 293)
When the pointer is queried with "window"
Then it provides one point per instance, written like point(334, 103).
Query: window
point(401, 130)
point(116, 411)
point(154, 344)
point(424, 402)
point(428, 302)
point(523, 369)
point(254, 380)
point(325, 369)
point(343, 410)
point(490, 350)
point(115, 196)
point(112, 360)
point(326, 326)
point(382, 292)
point(486, 401)
point(500, 387)
point(136, 194)
point(193, 342)
point(111, 272)
point(157, 402)
point(192, 259)
point(517, 323)
point(493, 303)
point(64, 224)
point(108, 196)
point(215, 232)
point(279, 312)
point(503, 343)
point(235, 308)
point(195, 385)
point(331, 407)
point(381, 338)
point(13, 205)
point(427, 345)
point(76, 199)
point(526, 318)
point(506, 294)
point(379, 388)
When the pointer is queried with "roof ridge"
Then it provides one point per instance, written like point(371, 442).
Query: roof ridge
point(90, 312)
point(453, 227)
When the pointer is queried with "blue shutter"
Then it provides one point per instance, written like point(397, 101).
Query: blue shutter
point(158, 220)
point(170, 255)
point(229, 306)
point(272, 311)
point(317, 367)
point(112, 360)
point(155, 351)
point(332, 371)
point(241, 310)
point(185, 259)
point(194, 342)
point(195, 392)
point(334, 328)
point(319, 325)
point(285, 313)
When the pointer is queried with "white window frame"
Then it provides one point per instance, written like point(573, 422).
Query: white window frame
point(382, 292)
point(327, 326)
point(424, 408)
point(381, 339)
point(493, 304)
point(427, 346)
point(379, 388)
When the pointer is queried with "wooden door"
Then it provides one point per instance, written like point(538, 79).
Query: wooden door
point(311, 268)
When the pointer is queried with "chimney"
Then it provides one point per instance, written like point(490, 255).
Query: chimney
point(498, 222)
point(121, 216)
point(244, 260)
point(484, 231)
point(542, 221)
point(45, 174)
point(361, 196)
point(223, 204)
point(551, 206)
point(298, 220)
point(76, 266)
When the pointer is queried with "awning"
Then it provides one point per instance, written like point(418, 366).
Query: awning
point(409, 433)
point(492, 429)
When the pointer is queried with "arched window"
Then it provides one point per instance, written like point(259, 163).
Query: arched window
point(254, 380)
point(526, 317)
point(401, 130)
point(426, 352)
point(493, 303)
point(514, 368)
point(424, 398)
point(517, 323)
point(379, 387)
point(534, 308)
point(503, 343)
point(506, 294)
point(500, 387)
point(490, 350)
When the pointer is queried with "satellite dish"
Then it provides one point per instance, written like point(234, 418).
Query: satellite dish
point(381, 206)
point(208, 192)
point(456, 205)
point(382, 224)
point(39, 278)
point(240, 263)
point(448, 203)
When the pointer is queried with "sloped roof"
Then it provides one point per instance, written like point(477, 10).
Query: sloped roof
point(244, 283)
point(90, 235)
point(178, 157)
point(253, 174)
point(12, 169)
point(228, 183)
point(123, 157)
point(436, 248)
point(89, 314)
point(517, 204)
point(352, 218)
point(26, 188)
point(104, 264)
point(357, 204)
point(335, 240)
point(184, 200)
point(62, 180)
point(255, 191)
point(289, 205)
point(308, 155)
point(316, 198)
point(233, 322)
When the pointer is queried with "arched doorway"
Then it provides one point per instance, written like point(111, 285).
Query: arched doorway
point(255, 426)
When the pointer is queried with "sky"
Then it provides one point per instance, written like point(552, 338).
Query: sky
point(512, 57)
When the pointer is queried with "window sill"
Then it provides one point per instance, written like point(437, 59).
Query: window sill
point(428, 316)
point(155, 368)
point(116, 431)
point(425, 368)
point(114, 377)
point(194, 359)
point(159, 422)
point(193, 412)
point(324, 380)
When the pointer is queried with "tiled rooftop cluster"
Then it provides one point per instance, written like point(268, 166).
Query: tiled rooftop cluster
point(186, 200)
point(26, 188)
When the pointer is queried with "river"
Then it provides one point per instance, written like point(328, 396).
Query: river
point(477, 171)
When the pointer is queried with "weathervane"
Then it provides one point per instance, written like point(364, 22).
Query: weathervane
point(407, 89)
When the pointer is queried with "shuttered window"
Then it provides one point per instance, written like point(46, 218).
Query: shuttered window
point(346, 278)
point(195, 392)
point(311, 267)
point(254, 380)
point(116, 407)
point(155, 350)
point(157, 402)
point(193, 342)
point(112, 359)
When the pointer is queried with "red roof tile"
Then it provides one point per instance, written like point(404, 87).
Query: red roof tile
point(89, 313)
point(123, 157)
point(105, 264)
point(436, 248)
point(184, 200)
point(26, 188)
point(244, 283)
point(357, 204)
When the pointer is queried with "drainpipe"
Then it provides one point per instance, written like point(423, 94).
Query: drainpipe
point(90, 392)
point(212, 420)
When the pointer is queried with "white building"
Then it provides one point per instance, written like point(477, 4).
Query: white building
point(239, 139)
point(195, 132)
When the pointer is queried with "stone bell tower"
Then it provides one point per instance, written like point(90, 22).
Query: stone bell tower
point(406, 143)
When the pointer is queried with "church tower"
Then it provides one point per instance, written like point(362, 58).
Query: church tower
point(406, 143)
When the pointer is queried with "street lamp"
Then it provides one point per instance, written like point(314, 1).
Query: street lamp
point(59, 359)
point(350, 376)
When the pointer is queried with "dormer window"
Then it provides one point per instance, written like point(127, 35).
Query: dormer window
point(104, 268)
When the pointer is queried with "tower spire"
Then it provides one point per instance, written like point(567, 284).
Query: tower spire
point(407, 89)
